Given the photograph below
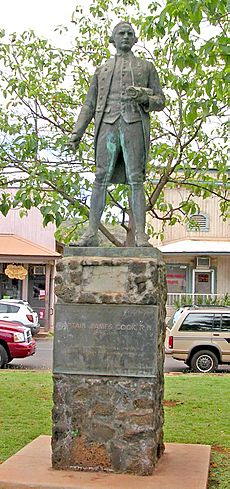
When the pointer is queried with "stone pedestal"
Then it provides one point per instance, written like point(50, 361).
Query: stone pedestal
point(108, 360)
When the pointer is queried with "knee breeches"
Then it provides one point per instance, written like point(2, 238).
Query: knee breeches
point(117, 140)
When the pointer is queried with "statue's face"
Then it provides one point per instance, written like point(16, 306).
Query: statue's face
point(124, 38)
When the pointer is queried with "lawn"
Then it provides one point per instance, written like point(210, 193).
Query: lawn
point(25, 408)
point(196, 411)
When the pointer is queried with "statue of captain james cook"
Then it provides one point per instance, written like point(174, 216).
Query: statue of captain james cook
point(122, 93)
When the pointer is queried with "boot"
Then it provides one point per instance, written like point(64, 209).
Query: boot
point(142, 239)
point(88, 239)
point(97, 204)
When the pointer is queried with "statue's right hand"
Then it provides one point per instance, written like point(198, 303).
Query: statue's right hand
point(74, 142)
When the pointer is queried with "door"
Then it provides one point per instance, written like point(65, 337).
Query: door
point(203, 282)
point(36, 295)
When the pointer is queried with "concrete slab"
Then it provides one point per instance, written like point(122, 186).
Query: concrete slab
point(181, 466)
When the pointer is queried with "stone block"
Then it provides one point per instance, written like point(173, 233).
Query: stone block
point(108, 361)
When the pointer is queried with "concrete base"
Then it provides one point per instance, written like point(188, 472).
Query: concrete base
point(181, 466)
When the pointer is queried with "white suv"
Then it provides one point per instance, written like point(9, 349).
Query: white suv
point(200, 336)
point(20, 311)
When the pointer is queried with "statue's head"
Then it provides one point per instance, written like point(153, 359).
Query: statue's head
point(123, 36)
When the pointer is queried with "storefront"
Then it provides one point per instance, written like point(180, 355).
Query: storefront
point(197, 271)
point(27, 272)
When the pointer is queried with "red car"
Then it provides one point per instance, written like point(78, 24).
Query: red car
point(15, 342)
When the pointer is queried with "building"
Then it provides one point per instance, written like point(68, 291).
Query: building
point(197, 257)
point(27, 262)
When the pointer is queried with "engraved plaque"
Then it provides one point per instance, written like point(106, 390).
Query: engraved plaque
point(105, 279)
point(106, 339)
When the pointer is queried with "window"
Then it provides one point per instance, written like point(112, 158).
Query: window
point(222, 322)
point(198, 222)
point(225, 325)
point(217, 321)
point(176, 278)
point(8, 308)
point(3, 308)
point(197, 322)
point(12, 309)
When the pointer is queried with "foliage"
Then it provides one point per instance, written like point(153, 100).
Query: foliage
point(44, 86)
point(202, 300)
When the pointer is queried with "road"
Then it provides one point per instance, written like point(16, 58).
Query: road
point(43, 360)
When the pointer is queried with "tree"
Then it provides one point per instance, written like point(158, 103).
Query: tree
point(43, 88)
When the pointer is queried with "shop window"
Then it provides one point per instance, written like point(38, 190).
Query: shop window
point(10, 288)
point(176, 278)
point(36, 283)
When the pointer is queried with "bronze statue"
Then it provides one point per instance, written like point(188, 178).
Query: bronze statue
point(122, 93)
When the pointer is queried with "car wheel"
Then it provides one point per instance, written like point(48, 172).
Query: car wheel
point(3, 356)
point(204, 361)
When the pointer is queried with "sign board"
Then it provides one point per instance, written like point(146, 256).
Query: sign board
point(106, 339)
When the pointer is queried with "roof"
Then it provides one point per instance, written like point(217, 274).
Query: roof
point(196, 247)
point(12, 245)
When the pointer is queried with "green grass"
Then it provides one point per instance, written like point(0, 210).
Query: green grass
point(25, 408)
point(196, 411)
point(201, 413)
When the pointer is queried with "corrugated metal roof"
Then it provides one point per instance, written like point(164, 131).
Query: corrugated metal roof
point(196, 247)
point(13, 245)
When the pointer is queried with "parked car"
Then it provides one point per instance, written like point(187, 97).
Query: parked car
point(200, 336)
point(15, 342)
point(19, 310)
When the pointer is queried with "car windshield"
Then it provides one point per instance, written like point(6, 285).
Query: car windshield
point(174, 318)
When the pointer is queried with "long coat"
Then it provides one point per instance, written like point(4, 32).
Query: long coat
point(145, 76)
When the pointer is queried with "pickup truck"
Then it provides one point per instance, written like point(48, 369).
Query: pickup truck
point(15, 342)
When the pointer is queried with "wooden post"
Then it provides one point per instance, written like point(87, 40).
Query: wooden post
point(52, 297)
point(25, 284)
point(47, 297)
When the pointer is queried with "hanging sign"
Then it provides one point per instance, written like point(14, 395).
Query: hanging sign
point(16, 271)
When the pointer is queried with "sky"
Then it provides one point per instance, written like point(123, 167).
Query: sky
point(40, 15)
point(44, 15)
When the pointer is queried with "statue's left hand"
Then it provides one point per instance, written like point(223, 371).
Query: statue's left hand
point(139, 94)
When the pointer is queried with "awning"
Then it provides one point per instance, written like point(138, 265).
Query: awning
point(196, 247)
point(13, 247)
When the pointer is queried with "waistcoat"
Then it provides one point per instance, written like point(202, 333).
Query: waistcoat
point(117, 103)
